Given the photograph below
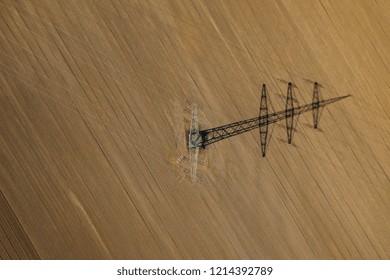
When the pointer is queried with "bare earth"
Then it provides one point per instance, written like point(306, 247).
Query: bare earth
point(95, 101)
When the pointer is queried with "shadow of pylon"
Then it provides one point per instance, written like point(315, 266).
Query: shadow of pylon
point(287, 83)
point(312, 82)
point(312, 127)
point(284, 141)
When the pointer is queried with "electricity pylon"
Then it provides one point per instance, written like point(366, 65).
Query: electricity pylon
point(203, 138)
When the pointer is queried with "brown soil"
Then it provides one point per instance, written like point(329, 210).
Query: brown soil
point(93, 98)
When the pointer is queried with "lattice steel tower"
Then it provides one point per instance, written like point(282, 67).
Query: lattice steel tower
point(203, 138)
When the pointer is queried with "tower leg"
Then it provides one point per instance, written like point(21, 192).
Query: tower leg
point(195, 141)
point(289, 113)
point(263, 123)
point(316, 105)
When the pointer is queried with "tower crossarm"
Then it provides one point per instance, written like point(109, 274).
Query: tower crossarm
point(216, 134)
point(212, 135)
point(281, 115)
